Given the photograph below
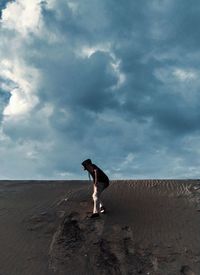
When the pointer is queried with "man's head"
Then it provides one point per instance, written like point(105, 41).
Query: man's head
point(86, 163)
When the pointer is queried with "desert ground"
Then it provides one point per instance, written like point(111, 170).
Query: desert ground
point(151, 227)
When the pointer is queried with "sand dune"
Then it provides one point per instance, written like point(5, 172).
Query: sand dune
point(152, 227)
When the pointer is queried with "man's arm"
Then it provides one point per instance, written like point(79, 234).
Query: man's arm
point(95, 177)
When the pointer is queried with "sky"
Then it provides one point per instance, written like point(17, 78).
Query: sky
point(114, 81)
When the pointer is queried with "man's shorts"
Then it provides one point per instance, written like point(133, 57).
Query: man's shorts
point(101, 186)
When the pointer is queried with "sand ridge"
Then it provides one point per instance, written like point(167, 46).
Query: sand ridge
point(152, 227)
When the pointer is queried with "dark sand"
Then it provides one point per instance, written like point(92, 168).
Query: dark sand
point(152, 227)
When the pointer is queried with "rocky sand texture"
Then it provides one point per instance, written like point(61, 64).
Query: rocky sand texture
point(151, 227)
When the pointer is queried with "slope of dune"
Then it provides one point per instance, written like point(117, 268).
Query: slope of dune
point(151, 227)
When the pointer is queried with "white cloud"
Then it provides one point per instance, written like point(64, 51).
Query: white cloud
point(120, 75)
point(19, 103)
point(87, 51)
point(73, 6)
point(22, 16)
point(184, 75)
point(176, 76)
point(23, 87)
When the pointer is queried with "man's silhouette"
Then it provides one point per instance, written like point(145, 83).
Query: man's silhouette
point(100, 182)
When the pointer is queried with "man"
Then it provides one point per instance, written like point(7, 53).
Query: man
point(100, 182)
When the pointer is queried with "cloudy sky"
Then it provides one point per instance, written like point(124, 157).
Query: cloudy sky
point(114, 81)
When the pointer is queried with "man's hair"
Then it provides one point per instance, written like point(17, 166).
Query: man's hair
point(86, 162)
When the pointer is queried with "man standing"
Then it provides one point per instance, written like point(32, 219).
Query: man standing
point(100, 182)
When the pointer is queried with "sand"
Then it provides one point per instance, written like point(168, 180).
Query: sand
point(151, 227)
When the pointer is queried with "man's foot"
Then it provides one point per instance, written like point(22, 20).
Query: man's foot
point(94, 215)
point(102, 210)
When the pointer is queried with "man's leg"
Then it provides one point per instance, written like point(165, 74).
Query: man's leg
point(101, 188)
point(95, 197)
point(98, 205)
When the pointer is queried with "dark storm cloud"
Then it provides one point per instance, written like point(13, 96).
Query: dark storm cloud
point(145, 95)
point(117, 83)
point(181, 21)
point(84, 83)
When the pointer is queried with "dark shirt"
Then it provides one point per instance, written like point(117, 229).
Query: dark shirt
point(101, 176)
